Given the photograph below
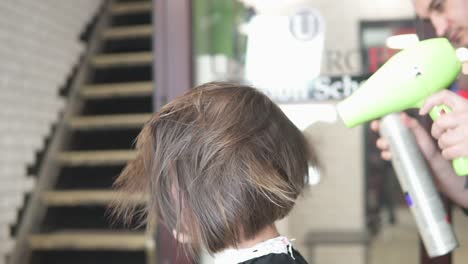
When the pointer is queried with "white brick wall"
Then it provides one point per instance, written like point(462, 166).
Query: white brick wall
point(39, 47)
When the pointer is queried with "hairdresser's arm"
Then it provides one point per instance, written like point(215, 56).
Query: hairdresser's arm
point(446, 179)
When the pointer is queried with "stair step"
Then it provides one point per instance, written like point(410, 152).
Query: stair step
point(90, 240)
point(92, 158)
point(87, 197)
point(131, 89)
point(109, 121)
point(123, 59)
point(131, 8)
point(126, 32)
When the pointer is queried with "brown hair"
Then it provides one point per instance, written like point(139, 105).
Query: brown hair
point(220, 163)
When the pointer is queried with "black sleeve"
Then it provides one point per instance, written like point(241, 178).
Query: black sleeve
point(278, 259)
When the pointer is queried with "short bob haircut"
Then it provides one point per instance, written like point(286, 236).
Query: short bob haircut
point(220, 163)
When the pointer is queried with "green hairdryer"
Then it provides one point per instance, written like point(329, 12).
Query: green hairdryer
point(404, 82)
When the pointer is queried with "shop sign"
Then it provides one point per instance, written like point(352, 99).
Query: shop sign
point(334, 88)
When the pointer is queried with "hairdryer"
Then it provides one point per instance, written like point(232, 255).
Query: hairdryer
point(404, 82)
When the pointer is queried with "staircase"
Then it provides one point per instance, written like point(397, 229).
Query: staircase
point(111, 102)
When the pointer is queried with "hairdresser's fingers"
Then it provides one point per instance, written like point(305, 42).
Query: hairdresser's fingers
point(446, 122)
point(386, 155)
point(375, 126)
point(450, 138)
point(450, 121)
point(454, 142)
point(449, 98)
point(382, 144)
point(453, 152)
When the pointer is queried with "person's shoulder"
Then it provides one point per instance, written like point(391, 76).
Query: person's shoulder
point(278, 259)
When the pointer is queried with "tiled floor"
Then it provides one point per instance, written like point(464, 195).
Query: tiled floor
point(400, 243)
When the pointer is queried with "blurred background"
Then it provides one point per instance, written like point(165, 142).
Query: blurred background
point(78, 79)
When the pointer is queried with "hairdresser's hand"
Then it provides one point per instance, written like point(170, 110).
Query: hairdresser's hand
point(444, 175)
point(440, 166)
point(451, 129)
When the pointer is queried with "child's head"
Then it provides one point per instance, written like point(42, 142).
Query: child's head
point(220, 163)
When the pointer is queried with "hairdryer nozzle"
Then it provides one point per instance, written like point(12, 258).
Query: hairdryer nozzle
point(403, 82)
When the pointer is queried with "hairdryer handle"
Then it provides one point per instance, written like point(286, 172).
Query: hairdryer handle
point(460, 165)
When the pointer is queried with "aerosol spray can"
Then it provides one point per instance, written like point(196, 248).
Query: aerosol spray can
point(418, 187)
